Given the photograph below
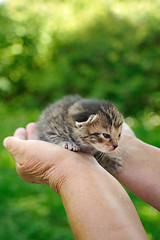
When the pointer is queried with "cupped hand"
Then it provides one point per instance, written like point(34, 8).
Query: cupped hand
point(38, 161)
point(42, 162)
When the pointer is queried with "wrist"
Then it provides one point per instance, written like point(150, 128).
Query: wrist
point(68, 169)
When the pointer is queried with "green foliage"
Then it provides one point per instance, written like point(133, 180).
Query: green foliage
point(30, 212)
point(48, 49)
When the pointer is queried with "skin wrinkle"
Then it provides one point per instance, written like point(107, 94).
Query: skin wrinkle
point(24, 166)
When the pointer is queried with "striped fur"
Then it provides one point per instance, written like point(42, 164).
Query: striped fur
point(87, 125)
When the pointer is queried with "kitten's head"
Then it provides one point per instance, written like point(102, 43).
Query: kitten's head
point(97, 124)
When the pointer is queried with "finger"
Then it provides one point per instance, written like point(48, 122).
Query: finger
point(125, 127)
point(20, 133)
point(127, 130)
point(13, 144)
point(31, 131)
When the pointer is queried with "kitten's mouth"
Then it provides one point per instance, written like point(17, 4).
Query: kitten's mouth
point(111, 148)
point(106, 149)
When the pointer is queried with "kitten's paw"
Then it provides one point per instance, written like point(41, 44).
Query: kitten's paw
point(115, 165)
point(110, 163)
point(71, 146)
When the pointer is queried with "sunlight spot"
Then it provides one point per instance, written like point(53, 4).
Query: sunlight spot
point(131, 121)
point(17, 48)
point(1, 1)
point(150, 212)
point(133, 10)
point(150, 236)
point(152, 120)
point(5, 84)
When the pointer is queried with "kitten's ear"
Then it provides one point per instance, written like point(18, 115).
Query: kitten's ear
point(90, 120)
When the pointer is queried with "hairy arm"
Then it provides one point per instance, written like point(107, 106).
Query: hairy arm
point(141, 168)
point(96, 204)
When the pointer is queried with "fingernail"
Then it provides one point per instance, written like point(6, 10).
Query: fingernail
point(5, 142)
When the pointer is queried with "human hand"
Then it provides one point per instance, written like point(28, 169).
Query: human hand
point(127, 131)
point(126, 137)
point(38, 161)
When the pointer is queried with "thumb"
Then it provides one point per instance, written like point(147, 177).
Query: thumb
point(13, 144)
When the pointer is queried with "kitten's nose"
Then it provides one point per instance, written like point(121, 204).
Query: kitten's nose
point(115, 146)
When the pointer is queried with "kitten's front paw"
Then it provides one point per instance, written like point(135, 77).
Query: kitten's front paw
point(71, 146)
point(111, 164)
point(115, 165)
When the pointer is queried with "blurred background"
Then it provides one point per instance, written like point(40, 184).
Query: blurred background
point(50, 48)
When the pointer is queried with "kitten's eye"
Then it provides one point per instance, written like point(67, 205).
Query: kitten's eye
point(105, 135)
point(119, 136)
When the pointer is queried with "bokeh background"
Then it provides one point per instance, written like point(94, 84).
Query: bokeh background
point(51, 48)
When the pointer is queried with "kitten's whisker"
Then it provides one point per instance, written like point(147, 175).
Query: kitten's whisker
point(117, 151)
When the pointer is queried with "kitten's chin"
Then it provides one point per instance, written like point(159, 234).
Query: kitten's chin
point(105, 149)
point(108, 150)
point(111, 149)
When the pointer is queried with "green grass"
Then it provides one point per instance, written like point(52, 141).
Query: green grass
point(30, 211)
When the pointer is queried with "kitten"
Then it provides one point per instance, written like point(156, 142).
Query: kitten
point(78, 124)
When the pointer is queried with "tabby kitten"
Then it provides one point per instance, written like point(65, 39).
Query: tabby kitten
point(83, 125)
